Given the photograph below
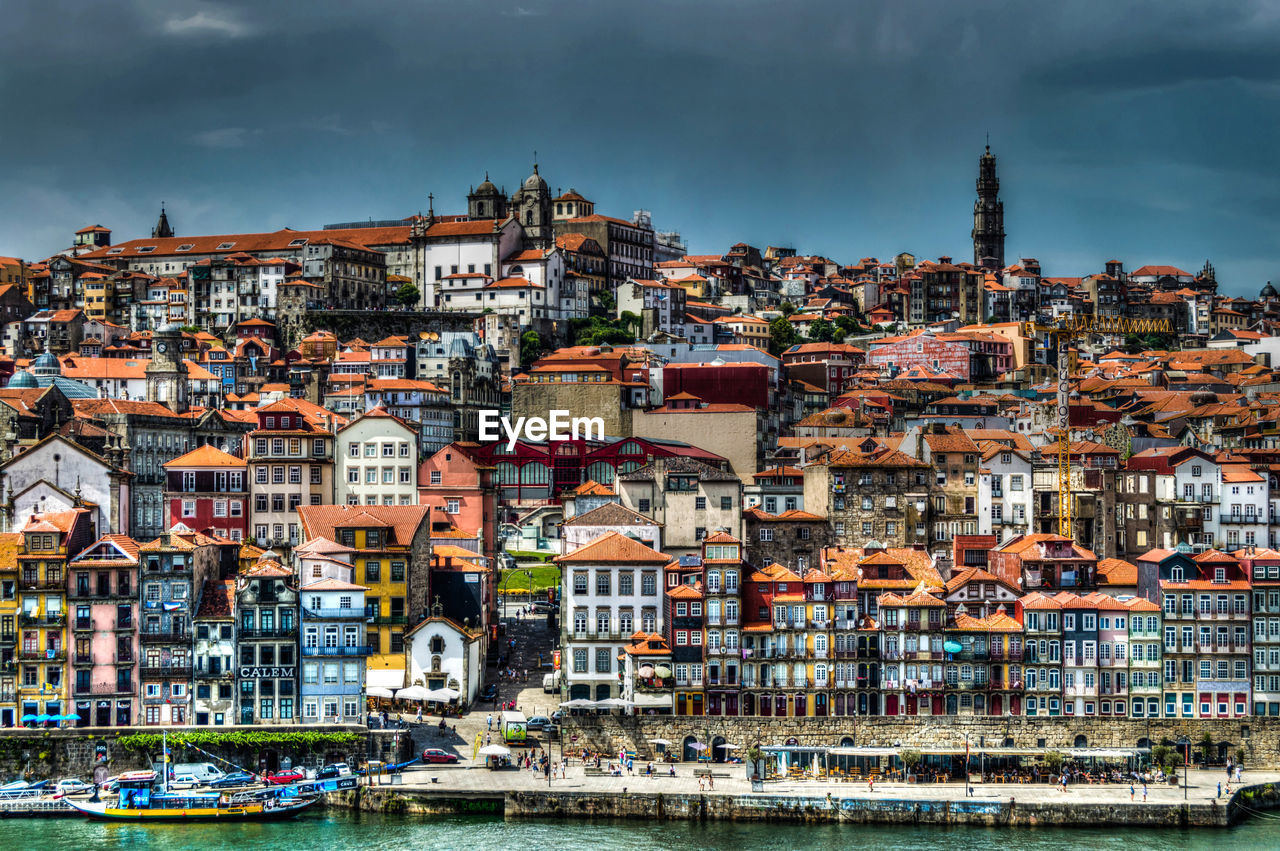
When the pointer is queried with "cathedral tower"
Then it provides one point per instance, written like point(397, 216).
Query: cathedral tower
point(988, 216)
point(167, 371)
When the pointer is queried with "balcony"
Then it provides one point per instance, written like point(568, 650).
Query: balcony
point(358, 650)
point(127, 625)
point(165, 672)
point(47, 619)
point(8, 638)
point(269, 632)
point(163, 636)
point(655, 683)
point(82, 625)
point(1004, 685)
point(976, 654)
point(333, 614)
point(388, 620)
point(103, 688)
point(999, 654)
point(28, 583)
point(1233, 517)
point(58, 654)
point(202, 674)
point(820, 654)
point(922, 655)
point(125, 659)
point(788, 623)
point(82, 659)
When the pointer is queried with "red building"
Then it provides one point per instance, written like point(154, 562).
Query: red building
point(729, 383)
point(207, 490)
point(969, 356)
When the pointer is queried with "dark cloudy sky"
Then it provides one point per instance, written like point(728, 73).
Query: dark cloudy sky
point(1145, 131)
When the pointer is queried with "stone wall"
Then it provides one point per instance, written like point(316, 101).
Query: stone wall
point(1258, 737)
point(54, 754)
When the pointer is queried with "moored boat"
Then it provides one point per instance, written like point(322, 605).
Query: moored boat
point(137, 798)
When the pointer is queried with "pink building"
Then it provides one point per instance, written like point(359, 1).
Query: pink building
point(462, 492)
point(967, 355)
point(103, 592)
point(1113, 655)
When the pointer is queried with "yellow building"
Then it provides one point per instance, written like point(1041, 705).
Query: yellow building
point(48, 542)
point(392, 560)
point(99, 294)
point(8, 627)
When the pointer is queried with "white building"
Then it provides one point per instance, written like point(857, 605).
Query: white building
point(1242, 508)
point(665, 302)
point(377, 461)
point(612, 588)
point(1005, 495)
point(443, 654)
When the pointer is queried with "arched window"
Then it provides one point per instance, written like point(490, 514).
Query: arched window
point(601, 471)
point(508, 473)
point(534, 473)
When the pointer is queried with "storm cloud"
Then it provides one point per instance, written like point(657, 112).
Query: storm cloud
point(1144, 131)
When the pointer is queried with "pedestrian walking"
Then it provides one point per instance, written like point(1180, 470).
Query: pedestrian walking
point(1220, 788)
point(1064, 781)
point(1131, 791)
point(1144, 793)
point(419, 720)
point(488, 721)
point(871, 784)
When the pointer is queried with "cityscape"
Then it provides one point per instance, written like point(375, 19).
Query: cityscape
point(533, 492)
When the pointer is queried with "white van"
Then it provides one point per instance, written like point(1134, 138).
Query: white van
point(549, 683)
point(205, 772)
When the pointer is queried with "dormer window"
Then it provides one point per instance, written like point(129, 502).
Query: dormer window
point(185, 247)
point(225, 246)
point(116, 251)
point(1219, 574)
point(146, 249)
point(297, 242)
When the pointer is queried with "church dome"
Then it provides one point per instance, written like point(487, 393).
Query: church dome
point(46, 364)
point(22, 380)
point(535, 181)
point(486, 188)
point(1268, 291)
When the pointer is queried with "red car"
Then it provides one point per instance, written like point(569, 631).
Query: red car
point(289, 775)
point(433, 755)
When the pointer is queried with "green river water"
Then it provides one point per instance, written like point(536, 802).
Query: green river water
point(342, 831)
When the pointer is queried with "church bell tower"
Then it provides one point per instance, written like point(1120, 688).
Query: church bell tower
point(988, 216)
point(166, 373)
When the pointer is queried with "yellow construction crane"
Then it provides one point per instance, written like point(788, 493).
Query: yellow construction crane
point(1066, 331)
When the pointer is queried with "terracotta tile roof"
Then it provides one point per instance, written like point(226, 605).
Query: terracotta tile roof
point(217, 599)
point(614, 548)
point(1039, 600)
point(970, 574)
point(323, 521)
point(206, 456)
point(593, 488)
point(1141, 604)
point(1118, 572)
point(333, 585)
point(684, 592)
point(610, 514)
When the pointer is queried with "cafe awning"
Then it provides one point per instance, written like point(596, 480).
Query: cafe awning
point(866, 751)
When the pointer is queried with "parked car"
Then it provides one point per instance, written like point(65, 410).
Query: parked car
point(490, 692)
point(542, 607)
point(235, 778)
point(71, 786)
point(288, 775)
point(432, 756)
point(333, 769)
point(551, 731)
point(185, 781)
point(537, 722)
point(557, 716)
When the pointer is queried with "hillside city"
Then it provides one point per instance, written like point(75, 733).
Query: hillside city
point(242, 478)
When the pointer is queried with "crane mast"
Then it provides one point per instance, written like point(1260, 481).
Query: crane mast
point(1066, 331)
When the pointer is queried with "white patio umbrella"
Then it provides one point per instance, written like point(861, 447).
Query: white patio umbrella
point(494, 750)
point(613, 701)
point(697, 746)
point(412, 693)
point(578, 703)
point(443, 695)
point(379, 692)
point(728, 747)
point(663, 742)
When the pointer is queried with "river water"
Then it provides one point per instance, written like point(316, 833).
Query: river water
point(344, 831)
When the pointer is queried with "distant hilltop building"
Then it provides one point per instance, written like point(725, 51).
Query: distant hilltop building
point(988, 216)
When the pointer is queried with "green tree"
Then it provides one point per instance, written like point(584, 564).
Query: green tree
point(787, 308)
point(531, 347)
point(781, 335)
point(846, 325)
point(408, 294)
point(822, 331)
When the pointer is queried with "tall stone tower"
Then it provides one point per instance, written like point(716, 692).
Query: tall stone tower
point(162, 230)
point(988, 216)
point(166, 373)
point(532, 204)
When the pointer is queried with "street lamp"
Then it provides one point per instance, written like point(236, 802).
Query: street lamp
point(1185, 744)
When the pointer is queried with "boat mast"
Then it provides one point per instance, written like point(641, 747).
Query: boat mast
point(164, 763)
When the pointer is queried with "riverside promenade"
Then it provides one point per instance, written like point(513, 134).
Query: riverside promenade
point(509, 793)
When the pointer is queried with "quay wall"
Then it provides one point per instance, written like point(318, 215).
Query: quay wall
point(1258, 737)
point(75, 752)
point(985, 812)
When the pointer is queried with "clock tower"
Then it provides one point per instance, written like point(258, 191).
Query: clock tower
point(167, 373)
